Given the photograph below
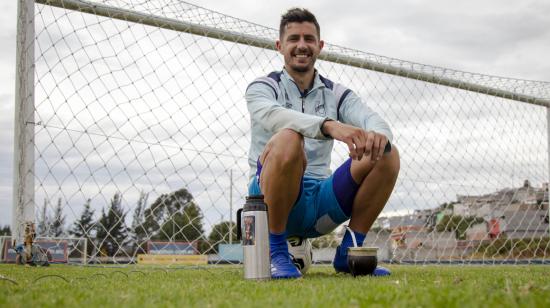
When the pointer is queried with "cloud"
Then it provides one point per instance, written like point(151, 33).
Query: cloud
point(465, 35)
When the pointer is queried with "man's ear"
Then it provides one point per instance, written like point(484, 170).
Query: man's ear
point(321, 45)
point(278, 45)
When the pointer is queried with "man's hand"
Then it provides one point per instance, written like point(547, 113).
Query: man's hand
point(360, 142)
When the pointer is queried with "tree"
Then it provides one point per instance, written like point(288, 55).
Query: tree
point(58, 222)
point(220, 234)
point(84, 226)
point(457, 224)
point(43, 223)
point(184, 225)
point(102, 232)
point(111, 228)
point(139, 235)
point(5, 230)
point(174, 217)
point(326, 241)
point(447, 206)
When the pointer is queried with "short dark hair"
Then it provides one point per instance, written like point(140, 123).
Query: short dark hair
point(298, 15)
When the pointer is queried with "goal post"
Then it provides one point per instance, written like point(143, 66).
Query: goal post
point(130, 114)
point(23, 162)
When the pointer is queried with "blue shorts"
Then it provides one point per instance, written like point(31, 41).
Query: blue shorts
point(322, 204)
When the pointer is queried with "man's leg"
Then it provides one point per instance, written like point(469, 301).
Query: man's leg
point(376, 181)
point(283, 164)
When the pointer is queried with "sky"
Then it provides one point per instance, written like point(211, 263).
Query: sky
point(495, 37)
point(503, 38)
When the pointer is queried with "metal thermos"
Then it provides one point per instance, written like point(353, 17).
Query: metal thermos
point(252, 229)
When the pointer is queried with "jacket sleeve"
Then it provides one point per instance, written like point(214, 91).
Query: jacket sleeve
point(355, 112)
point(263, 108)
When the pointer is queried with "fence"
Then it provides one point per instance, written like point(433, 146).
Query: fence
point(132, 127)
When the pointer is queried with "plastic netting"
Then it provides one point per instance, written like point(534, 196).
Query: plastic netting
point(139, 126)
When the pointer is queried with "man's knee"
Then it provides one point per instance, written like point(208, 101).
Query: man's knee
point(388, 166)
point(390, 163)
point(285, 148)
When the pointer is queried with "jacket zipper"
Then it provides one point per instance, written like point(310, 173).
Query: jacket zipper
point(303, 97)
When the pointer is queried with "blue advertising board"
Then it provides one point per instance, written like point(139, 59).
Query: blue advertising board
point(230, 252)
point(57, 250)
point(8, 252)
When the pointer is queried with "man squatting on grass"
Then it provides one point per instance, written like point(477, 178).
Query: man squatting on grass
point(296, 115)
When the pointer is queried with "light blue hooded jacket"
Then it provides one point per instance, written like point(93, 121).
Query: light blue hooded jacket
point(275, 102)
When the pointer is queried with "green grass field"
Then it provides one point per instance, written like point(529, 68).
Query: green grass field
point(436, 286)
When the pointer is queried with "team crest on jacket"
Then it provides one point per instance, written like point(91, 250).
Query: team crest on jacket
point(288, 103)
point(320, 108)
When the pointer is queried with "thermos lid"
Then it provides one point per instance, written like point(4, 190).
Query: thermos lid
point(255, 203)
point(255, 197)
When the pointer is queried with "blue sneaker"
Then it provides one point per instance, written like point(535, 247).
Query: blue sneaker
point(340, 261)
point(340, 264)
point(282, 267)
point(381, 271)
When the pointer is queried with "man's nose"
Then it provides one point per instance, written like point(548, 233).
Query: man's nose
point(302, 43)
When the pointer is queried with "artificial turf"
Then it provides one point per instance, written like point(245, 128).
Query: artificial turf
point(223, 286)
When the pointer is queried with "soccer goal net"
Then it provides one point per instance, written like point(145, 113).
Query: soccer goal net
point(133, 130)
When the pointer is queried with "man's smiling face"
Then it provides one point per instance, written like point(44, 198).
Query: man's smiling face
point(300, 45)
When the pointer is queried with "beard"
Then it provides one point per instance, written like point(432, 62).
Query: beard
point(301, 69)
